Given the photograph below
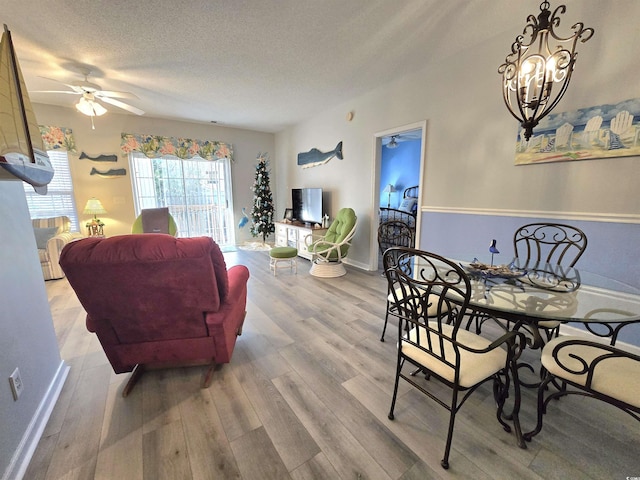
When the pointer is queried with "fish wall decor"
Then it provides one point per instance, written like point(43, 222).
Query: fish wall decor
point(112, 173)
point(99, 158)
point(315, 157)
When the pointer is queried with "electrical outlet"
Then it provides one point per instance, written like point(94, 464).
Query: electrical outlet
point(16, 383)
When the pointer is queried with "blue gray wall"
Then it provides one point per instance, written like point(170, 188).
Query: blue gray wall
point(613, 249)
point(609, 244)
point(399, 167)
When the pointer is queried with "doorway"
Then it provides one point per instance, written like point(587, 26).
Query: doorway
point(398, 166)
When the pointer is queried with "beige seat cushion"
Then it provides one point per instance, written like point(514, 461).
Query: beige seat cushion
point(550, 324)
point(616, 377)
point(474, 367)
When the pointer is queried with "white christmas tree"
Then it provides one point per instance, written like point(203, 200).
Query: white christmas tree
point(262, 211)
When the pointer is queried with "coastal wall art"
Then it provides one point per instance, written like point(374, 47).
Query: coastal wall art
point(603, 131)
point(111, 173)
point(315, 157)
point(98, 158)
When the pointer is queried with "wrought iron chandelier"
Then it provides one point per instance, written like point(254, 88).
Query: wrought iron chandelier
point(533, 67)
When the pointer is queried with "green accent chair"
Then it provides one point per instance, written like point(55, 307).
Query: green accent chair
point(155, 220)
point(329, 250)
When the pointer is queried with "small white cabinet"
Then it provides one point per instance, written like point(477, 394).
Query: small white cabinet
point(293, 235)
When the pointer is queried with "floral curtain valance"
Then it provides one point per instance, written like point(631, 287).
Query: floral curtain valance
point(157, 146)
point(58, 138)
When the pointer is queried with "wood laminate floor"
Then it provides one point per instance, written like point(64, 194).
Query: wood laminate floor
point(305, 396)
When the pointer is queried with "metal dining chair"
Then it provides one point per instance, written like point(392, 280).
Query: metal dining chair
point(552, 243)
point(393, 234)
point(537, 247)
point(591, 368)
point(438, 347)
point(539, 244)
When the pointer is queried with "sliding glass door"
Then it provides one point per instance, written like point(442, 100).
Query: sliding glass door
point(196, 191)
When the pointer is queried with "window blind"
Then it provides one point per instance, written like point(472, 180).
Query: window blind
point(59, 199)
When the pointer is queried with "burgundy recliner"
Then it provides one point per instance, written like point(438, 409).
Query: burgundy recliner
point(155, 300)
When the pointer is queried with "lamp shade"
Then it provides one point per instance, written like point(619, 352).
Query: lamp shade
point(90, 107)
point(389, 189)
point(93, 207)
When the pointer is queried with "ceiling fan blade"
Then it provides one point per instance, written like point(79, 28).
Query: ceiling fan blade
point(55, 91)
point(119, 104)
point(52, 79)
point(75, 88)
point(112, 94)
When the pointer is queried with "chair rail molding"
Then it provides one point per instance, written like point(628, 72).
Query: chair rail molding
point(583, 216)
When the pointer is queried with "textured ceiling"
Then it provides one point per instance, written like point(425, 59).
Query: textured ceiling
point(255, 64)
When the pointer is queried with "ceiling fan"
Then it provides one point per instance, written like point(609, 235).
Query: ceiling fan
point(393, 140)
point(91, 93)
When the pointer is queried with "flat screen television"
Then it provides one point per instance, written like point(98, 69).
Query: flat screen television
point(307, 205)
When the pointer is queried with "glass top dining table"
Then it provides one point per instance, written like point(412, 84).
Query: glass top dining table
point(526, 295)
point(551, 292)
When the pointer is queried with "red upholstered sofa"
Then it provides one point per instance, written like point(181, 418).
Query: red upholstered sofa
point(154, 300)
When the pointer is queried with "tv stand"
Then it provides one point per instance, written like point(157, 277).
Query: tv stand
point(293, 235)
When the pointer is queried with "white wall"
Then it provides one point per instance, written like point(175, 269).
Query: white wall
point(470, 143)
point(115, 193)
point(25, 325)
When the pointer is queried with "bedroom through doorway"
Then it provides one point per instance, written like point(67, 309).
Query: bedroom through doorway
point(399, 167)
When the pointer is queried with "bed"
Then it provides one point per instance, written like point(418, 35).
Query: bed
point(406, 213)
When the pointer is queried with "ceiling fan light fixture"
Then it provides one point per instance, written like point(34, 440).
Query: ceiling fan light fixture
point(393, 143)
point(90, 108)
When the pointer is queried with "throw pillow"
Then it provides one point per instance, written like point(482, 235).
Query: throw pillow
point(407, 204)
point(43, 235)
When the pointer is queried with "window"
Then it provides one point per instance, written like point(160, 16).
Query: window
point(196, 191)
point(59, 199)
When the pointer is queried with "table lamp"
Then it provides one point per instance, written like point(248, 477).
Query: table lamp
point(493, 249)
point(389, 189)
point(95, 226)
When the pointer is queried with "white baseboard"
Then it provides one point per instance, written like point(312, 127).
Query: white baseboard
point(29, 442)
point(360, 265)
